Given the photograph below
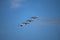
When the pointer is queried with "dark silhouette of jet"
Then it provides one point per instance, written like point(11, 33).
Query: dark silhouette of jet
point(34, 17)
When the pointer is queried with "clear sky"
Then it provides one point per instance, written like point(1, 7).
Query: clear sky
point(14, 12)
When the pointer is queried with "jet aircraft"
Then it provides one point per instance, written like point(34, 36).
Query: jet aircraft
point(34, 17)
point(29, 21)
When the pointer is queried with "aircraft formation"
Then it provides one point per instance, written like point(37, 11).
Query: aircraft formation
point(29, 21)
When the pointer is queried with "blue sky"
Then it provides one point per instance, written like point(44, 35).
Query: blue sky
point(14, 12)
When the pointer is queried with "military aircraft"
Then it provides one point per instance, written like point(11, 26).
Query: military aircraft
point(34, 17)
point(29, 21)
point(25, 23)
